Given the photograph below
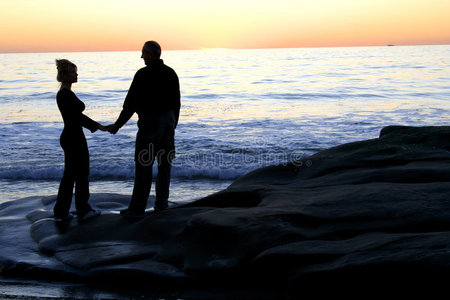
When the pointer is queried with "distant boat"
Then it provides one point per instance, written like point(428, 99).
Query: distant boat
point(390, 45)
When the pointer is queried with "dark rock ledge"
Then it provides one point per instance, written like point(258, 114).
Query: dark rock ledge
point(370, 214)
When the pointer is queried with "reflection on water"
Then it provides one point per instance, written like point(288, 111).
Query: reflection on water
point(293, 100)
point(65, 290)
point(11, 289)
point(181, 191)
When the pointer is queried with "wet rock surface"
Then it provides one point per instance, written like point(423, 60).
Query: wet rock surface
point(372, 213)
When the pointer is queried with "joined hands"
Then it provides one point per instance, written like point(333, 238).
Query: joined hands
point(102, 128)
point(112, 128)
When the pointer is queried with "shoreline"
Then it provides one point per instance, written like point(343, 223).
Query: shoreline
point(182, 190)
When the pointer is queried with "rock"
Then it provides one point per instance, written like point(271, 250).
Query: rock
point(371, 213)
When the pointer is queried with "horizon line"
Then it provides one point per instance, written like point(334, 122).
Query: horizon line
point(224, 48)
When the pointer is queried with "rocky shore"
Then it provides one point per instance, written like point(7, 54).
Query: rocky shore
point(372, 214)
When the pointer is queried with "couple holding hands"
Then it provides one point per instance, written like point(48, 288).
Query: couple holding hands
point(154, 95)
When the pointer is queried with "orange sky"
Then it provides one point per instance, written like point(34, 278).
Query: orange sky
point(100, 25)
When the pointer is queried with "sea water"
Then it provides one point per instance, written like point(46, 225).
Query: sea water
point(241, 110)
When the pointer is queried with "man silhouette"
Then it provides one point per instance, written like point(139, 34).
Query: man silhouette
point(154, 95)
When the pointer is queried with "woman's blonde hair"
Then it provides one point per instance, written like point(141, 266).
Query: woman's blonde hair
point(63, 66)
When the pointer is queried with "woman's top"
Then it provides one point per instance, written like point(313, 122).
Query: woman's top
point(71, 109)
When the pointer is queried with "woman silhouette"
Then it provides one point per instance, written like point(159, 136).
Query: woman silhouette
point(73, 142)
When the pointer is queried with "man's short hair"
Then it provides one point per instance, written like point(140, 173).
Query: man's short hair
point(153, 47)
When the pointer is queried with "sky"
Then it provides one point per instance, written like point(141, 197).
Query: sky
point(124, 25)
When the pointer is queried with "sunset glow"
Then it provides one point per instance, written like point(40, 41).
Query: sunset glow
point(100, 25)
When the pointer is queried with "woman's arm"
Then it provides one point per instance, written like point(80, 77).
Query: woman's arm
point(89, 123)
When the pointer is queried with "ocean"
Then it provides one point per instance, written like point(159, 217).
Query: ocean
point(241, 110)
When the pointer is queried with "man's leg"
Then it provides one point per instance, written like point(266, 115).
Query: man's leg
point(163, 180)
point(165, 156)
point(143, 178)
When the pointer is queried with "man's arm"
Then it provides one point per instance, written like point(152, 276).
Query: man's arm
point(123, 118)
point(129, 107)
point(176, 99)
